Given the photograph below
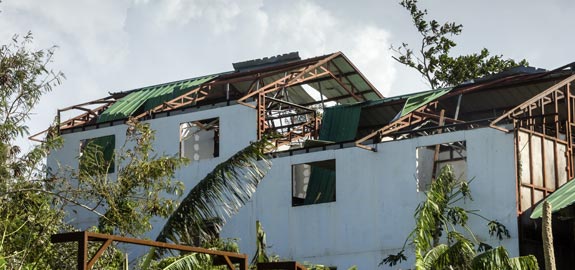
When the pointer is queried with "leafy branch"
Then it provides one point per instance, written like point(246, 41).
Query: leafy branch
point(433, 59)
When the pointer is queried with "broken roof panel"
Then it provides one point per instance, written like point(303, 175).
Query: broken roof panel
point(149, 97)
point(561, 198)
point(418, 100)
point(339, 123)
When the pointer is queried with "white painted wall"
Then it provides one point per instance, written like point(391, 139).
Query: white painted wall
point(237, 129)
point(376, 193)
point(375, 201)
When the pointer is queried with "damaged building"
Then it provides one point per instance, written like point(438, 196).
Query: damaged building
point(349, 165)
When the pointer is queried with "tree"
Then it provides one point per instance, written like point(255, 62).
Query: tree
point(34, 202)
point(136, 193)
point(433, 59)
point(24, 77)
point(440, 215)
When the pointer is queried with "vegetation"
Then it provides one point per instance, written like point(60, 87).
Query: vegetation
point(439, 217)
point(433, 59)
point(135, 194)
point(33, 203)
point(25, 227)
point(218, 196)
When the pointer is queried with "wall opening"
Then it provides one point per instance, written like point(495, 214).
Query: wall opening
point(200, 139)
point(430, 159)
point(313, 182)
point(98, 153)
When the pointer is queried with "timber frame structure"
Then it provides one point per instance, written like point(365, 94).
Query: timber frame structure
point(84, 262)
point(325, 103)
point(290, 96)
point(285, 91)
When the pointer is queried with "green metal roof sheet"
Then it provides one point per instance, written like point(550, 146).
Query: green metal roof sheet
point(416, 101)
point(561, 198)
point(340, 123)
point(150, 97)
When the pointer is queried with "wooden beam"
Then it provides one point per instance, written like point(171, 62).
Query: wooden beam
point(403, 122)
point(531, 101)
point(286, 79)
point(84, 237)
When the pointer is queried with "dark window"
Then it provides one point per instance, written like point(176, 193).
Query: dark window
point(313, 182)
point(98, 153)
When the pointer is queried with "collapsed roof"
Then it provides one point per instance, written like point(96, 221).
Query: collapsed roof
point(289, 95)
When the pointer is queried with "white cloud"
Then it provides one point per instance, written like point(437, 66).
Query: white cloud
point(121, 45)
point(313, 30)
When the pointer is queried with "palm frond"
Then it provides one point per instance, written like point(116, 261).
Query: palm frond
point(191, 261)
point(496, 258)
point(433, 255)
point(524, 263)
point(457, 256)
point(218, 196)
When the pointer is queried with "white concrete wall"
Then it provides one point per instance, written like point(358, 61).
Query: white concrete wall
point(375, 201)
point(237, 129)
point(376, 193)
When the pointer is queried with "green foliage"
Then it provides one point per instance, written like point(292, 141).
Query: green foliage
point(261, 255)
point(24, 77)
point(433, 59)
point(34, 202)
point(195, 260)
point(441, 215)
point(218, 196)
point(498, 258)
point(26, 207)
point(138, 191)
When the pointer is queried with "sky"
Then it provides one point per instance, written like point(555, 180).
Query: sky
point(115, 45)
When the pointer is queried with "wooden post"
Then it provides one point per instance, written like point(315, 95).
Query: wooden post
point(547, 233)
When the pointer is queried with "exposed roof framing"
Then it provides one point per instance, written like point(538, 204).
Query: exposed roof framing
point(89, 115)
point(468, 105)
point(554, 93)
point(421, 114)
point(285, 83)
point(322, 69)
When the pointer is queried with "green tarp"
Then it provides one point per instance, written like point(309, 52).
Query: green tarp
point(561, 198)
point(149, 97)
point(339, 123)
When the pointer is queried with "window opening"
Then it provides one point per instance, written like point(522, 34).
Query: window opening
point(431, 159)
point(313, 182)
point(200, 139)
point(95, 152)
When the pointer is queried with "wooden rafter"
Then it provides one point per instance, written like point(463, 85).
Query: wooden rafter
point(533, 102)
point(292, 78)
point(405, 121)
point(343, 85)
point(353, 91)
point(89, 115)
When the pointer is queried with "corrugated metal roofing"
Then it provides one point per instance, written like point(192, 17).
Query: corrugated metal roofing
point(416, 101)
point(150, 97)
point(340, 123)
point(561, 198)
